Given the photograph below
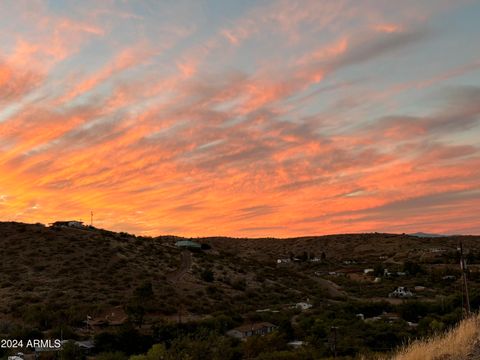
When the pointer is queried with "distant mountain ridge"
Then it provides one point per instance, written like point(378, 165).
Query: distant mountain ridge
point(427, 235)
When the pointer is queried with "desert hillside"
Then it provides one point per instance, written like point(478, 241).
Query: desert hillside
point(349, 295)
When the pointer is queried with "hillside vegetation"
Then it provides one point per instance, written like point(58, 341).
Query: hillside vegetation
point(460, 343)
point(144, 293)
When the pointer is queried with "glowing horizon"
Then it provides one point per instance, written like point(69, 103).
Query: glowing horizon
point(260, 119)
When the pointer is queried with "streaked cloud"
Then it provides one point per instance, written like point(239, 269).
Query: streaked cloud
point(273, 119)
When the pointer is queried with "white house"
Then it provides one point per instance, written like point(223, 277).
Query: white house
point(401, 292)
point(303, 306)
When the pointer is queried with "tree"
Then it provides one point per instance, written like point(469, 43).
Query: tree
point(136, 311)
point(207, 275)
point(378, 270)
point(144, 291)
point(157, 352)
point(117, 355)
point(70, 351)
point(412, 268)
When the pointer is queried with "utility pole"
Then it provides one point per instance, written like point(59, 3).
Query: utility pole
point(91, 218)
point(463, 267)
point(333, 329)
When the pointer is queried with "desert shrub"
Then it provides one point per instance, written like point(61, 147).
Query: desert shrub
point(117, 355)
point(207, 275)
point(71, 351)
point(239, 284)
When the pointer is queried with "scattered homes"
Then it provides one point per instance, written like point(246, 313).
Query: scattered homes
point(256, 329)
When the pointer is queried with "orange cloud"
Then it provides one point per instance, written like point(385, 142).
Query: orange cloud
point(199, 137)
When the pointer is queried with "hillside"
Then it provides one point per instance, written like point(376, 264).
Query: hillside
point(52, 278)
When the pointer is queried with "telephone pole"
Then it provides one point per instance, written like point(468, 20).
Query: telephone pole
point(91, 218)
point(463, 267)
point(333, 329)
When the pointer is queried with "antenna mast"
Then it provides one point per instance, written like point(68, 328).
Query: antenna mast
point(464, 278)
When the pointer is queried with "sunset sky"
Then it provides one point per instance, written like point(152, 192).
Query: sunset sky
point(242, 118)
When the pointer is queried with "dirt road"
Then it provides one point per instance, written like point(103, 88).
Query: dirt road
point(185, 264)
point(333, 289)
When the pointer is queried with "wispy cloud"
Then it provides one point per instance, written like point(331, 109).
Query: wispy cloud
point(277, 119)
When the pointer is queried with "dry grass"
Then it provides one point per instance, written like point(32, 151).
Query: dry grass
point(454, 344)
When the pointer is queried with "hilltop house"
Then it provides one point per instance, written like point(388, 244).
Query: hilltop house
point(69, 223)
point(188, 244)
point(255, 329)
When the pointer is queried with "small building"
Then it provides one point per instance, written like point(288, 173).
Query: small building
point(188, 244)
point(387, 273)
point(68, 223)
point(86, 346)
point(401, 292)
point(18, 356)
point(368, 271)
point(296, 344)
point(303, 306)
point(256, 329)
